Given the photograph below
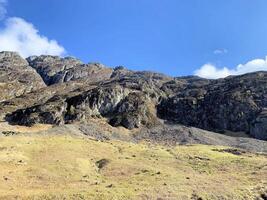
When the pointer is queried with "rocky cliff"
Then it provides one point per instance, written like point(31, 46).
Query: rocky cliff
point(234, 103)
point(16, 76)
point(54, 90)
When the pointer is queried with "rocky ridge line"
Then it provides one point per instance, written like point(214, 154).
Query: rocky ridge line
point(132, 99)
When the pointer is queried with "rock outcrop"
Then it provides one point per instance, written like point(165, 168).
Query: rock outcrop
point(134, 111)
point(51, 112)
point(122, 106)
point(54, 69)
point(78, 92)
point(225, 104)
point(259, 126)
point(16, 76)
point(101, 101)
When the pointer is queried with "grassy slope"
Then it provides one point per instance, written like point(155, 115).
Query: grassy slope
point(63, 166)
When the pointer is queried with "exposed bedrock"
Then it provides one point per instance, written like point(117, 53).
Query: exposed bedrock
point(76, 92)
point(16, 76)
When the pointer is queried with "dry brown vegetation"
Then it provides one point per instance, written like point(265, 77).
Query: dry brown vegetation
point(74, 167)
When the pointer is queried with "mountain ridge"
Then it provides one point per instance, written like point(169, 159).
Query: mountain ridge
point(70, 92)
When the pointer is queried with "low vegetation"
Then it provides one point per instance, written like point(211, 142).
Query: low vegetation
point(35, 166)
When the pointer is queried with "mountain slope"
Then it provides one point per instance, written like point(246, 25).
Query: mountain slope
point(76, 92)
point(70, 130)
point(45, 166)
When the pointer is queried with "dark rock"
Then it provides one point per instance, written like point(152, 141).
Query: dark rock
point(109, 186)
point(78, 92)
point(258, 127)
point(225, 104)
point(9, 133)
point(264, 196)
point(102, 163)
point(51, 112)
point(232, 151)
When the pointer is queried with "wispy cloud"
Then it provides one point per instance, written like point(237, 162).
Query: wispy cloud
point(213, 72)
point(22, 36)
point(220, 51)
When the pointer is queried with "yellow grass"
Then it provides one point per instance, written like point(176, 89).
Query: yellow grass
point(64, 167)
point(4, 126)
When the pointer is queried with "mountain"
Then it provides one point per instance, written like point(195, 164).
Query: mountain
point(70, 130)
point(54, 90)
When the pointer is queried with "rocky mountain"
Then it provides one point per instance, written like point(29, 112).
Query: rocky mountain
point(54, 69)
point(54, 90)
point(235, 103)
point(16, 76)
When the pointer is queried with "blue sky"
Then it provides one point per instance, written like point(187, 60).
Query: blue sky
point(176, 37)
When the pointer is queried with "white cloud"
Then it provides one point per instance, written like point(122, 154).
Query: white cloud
point(252, 66)
point(213, 72)
point(220, 51)
point(22, 37)
point(2, 8)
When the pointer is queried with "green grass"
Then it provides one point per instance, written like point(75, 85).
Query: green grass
point(65, 167)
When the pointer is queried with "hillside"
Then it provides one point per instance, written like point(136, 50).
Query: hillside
point(45, 166)
point(65, 91)
point(70, 130)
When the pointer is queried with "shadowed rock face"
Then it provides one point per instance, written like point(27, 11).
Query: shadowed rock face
point(232, 104)
point(77, 92)
point(51, 112)
point(259, 126)
point(16, 76)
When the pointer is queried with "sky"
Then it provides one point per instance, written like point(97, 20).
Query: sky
point(208, 38)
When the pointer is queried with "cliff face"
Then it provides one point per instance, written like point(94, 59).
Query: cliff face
point(16, 76)
point(78, 92)
point(235, 104)
point(54, 69)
